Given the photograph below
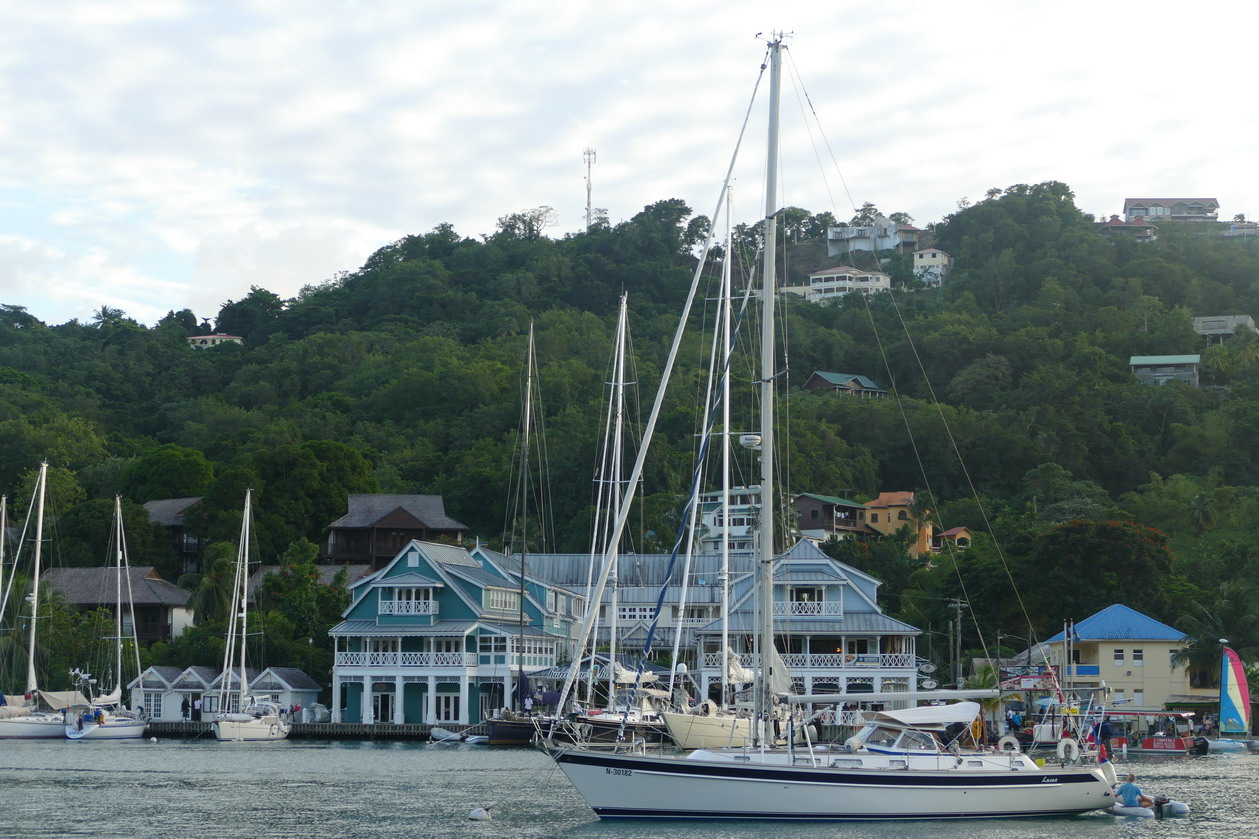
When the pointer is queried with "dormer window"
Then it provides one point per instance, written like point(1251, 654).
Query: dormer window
point(501, 599)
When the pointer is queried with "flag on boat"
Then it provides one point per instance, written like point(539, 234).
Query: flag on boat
point(1234, 695)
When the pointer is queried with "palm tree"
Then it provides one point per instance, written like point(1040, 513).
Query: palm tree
point(1233, 613)
point(107, 316)
point(212, 598)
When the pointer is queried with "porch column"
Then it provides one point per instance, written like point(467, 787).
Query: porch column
point(336, 697)
point(398, 717)
point(430, 701)
point(368, 715)
point(464, 716)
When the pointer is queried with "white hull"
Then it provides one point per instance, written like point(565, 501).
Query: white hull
point(33, 727)
point(711, 786)
point(266, 728)
point(116, 728)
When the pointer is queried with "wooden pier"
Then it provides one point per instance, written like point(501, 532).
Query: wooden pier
point(317, 730)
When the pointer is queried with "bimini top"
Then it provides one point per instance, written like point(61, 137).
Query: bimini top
point(928, 717)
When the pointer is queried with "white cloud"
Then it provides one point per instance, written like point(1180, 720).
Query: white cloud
point(162, 155)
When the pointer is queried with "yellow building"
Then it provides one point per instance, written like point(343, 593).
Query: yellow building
point(1130, 655)
point(891, 512)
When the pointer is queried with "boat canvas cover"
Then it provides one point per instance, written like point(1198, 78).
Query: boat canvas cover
point(58, 699)
point(928, 716)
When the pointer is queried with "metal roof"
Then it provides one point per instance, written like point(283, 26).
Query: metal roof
point(365, 627)
point(853, 622)
point(1121, 623)
point(98, 586)
point(1150, 360)
point(169, 511)
point(365, 510)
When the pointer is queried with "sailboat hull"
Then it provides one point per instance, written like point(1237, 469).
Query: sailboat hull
point(113, 729)
point(33, 727)
point(264, 728)
point(634, 786)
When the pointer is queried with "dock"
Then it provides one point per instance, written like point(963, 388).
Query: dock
point(317, 730)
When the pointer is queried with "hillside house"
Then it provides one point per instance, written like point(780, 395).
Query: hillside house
point(205, 342)
point(1219, 328)
point(170, 512)
point(833, 283)
point(1171, 209)
point(822, 517)
point(932, 266)
point(377, 527)
point(845, 384)
point(1161, 369)
point(883, 235)
point(160, 607)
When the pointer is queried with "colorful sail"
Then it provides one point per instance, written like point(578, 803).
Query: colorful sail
point(1234, 696)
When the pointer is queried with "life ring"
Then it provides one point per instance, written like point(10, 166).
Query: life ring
point(275, 729)
point(1068, 750)
point(1009, 743)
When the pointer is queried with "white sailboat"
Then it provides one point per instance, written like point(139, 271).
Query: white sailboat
point(105, 718)
point(928, 777)
point(240, 716)
point(23, 721)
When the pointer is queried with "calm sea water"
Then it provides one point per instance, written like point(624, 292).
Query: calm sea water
point(312, 789)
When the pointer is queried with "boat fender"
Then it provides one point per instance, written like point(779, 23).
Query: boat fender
point(1108, 772)
point(1009, 743)
point(1068, 750)
point(480, 814)
point(275, 729)
point(853, 743)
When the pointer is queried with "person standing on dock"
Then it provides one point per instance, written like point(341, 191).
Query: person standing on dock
point(183, 710)
point(196, 709)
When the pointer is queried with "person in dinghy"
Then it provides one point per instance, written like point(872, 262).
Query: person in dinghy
point(1130, 795)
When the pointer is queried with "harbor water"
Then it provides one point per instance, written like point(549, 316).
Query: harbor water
point(309, 789)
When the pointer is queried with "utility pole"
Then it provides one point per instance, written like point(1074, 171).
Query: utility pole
point(957, 605)
point(589, 156)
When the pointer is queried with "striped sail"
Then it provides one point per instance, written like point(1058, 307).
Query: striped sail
point(1234, 696)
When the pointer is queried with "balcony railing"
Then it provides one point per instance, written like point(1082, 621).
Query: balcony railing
point(808, 608)
point(409, 607)
point(406, 659)
point(827, 661)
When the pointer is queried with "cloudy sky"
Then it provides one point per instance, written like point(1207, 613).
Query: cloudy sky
point(165, 154)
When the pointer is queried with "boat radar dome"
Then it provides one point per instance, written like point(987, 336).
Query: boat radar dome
point(750, 441)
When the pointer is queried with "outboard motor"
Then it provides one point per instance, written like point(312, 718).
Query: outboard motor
point(1200, 746)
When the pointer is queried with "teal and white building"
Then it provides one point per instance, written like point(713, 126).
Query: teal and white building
point(435, 637)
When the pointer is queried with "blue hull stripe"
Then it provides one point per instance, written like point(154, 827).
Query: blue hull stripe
point(836, 777)
point(626, 813)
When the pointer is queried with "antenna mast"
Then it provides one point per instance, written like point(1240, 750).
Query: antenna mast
point(589, 156)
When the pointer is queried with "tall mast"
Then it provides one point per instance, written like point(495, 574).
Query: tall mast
point(724, 577)
point(523, 507)
point(118, 543)
point(243, 572)
point(613, 549)
point(31, 682)
point(768, 291)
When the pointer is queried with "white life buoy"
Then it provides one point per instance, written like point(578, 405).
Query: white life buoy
point(1009, 743)
point(1068, 750)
